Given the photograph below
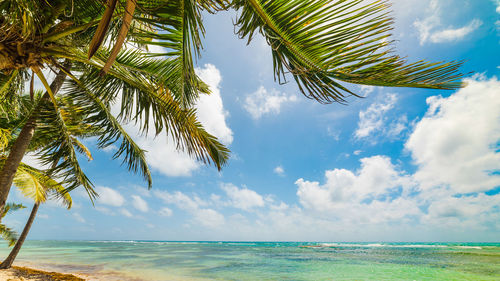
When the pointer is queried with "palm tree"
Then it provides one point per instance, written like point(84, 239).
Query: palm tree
point(319, 43)
point(34, 184)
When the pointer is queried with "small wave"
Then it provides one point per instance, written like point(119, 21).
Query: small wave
point(470, 247)
point(419, 246)
point(380, 245)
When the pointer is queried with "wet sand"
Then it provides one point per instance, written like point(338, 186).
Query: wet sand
point(27, 271)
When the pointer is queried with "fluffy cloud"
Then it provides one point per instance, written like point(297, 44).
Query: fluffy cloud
point(456, 148)
point(263, 102)
point(210, 108)
point(165, 212)
point(456, 143)
point(163, 157)
point(181, 200)
point(194, 205)
point(243, 198)
point(370, 186)
point(126, 213)
point(279, 170)
point(372, 119)
point(497, 3)
point(109, 196)
point(209, 218)
point(139, 203)
point(162, 154)
point(79, 218)
point(455, 34)
point(430, 28)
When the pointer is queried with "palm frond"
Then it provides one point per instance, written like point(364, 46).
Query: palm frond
point(177, 28)
point(322, 43)
point(148, 104)
point(10, 207)
point(8, 233)
point(101, 117)
point(60, 153)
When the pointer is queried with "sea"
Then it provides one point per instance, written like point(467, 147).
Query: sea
point(164, 260)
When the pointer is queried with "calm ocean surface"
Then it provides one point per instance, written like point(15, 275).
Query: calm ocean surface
point(148, 260)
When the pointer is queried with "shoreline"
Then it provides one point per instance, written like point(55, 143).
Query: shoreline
point(21, 273)
point(31, 271)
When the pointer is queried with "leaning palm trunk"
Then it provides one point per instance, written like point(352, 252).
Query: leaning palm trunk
point(22, 142)
point(7, 263)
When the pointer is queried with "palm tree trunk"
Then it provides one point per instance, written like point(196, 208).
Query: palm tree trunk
point(22, 142)
point(7, 263)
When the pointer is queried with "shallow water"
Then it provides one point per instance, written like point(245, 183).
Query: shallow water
point(157, 260)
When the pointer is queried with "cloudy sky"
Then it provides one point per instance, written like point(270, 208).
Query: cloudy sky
point(398, 165)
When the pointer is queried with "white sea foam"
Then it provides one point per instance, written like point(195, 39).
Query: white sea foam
point(378, 245)
point(470, 247)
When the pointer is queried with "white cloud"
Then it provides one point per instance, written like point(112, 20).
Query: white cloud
point(397, 127)
point(79, 218)
point(139, 203)
point(497, 3)
point(165, 212)
point(110, 149)
point(109, 196)
point(210, 109)
point(181, 200)
point(430, 28)
point(334, 133)
point(366, 89)
point(455, 34)
point(372, 119)
point(263, 102)
point(279, 170)
point(376, 177)
point(105, 210)
point(209, 218)
point(204, 216)
point(163, 157)
point(243, 198)
point(456, 143)
point(126, 213)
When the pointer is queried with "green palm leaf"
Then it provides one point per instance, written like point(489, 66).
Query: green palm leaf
point(6, 232)
point(324, 42)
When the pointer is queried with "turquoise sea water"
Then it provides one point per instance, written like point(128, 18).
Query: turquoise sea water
point(150, 260)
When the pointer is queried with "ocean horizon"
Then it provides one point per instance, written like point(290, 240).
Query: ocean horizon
point(256, 260)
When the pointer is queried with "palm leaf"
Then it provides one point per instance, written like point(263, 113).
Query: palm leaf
point(111, 131)
point(155, 104)
point(322, 43)
point(6, 232)
point(60, 152)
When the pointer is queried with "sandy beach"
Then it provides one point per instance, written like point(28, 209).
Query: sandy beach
point(27, 271)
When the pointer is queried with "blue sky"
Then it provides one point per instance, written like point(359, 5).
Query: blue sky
point(398, 165)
